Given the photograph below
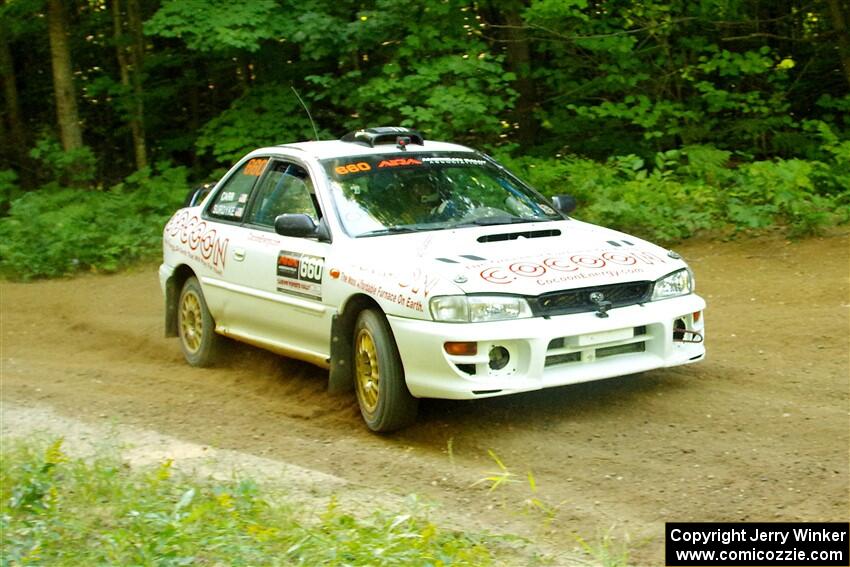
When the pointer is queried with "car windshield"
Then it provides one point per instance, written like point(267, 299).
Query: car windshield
point(407, 192)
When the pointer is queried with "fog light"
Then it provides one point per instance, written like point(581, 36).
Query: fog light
point(461, 348)
point(499, 357)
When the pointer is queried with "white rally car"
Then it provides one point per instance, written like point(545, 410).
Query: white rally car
point(418, 269)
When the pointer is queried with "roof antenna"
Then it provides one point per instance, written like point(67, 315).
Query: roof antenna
point(307, 110)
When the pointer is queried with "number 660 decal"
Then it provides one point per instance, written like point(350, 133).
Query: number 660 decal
point(300, 274)
point(311, 268)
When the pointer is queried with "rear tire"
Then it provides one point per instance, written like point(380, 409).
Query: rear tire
point(385, 402)
point(196, 327)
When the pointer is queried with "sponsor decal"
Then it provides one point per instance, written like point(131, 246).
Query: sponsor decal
point(262, 239)
point(389, 294)
point(192, 237)
point(410, 290)
point(453, 161)
point(555, 269)
point(419, 282)
point(300, 274)
point(399, 162)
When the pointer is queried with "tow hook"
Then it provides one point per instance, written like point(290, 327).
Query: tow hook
point(681, 334)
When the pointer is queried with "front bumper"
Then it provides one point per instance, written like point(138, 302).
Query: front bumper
point(561, 350)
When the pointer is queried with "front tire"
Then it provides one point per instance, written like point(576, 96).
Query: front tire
point(196, 327)
point(385, 402)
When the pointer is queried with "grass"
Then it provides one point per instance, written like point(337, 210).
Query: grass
point(605, 549)
point(59, 510)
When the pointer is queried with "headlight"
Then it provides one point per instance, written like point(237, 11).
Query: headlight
point(673, 285)
point(478, 308)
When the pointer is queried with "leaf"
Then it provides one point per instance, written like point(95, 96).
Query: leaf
point(185, 500)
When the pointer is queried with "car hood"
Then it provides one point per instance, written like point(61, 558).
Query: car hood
point(527, 259)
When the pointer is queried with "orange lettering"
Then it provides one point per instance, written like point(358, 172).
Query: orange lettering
point(254, 167)
point(353, 168)
point(399, 161)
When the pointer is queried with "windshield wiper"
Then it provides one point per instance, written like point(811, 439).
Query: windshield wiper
point(392, 230)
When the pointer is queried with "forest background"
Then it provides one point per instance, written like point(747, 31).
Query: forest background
point(663, 118)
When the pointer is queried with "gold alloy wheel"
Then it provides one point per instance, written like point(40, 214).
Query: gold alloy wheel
point(367, 374)
point(191, 321)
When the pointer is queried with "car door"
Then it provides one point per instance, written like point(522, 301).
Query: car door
point(212, 240)
point(281, 277)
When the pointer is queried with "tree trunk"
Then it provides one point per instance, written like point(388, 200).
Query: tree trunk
point(194, 115)
point(63, 80)
point(7, 161)
point(137, 60)
point(838, 11)
point(130, 65)
point(520, 63)
point(16, 146)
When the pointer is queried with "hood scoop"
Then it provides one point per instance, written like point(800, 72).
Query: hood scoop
point(501, 237)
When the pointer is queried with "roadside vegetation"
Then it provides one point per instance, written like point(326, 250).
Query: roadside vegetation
point(60, 510)
point(61, 229)
point(664, 119)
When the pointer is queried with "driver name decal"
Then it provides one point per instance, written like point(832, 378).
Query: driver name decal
point(300, 274)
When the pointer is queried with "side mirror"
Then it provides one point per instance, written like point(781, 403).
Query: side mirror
point(197, 194)
point(564, 203)
point(294, 224)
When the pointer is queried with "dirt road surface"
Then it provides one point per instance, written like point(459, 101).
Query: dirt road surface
point(758, 431)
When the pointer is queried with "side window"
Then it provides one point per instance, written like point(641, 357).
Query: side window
point(286, 188)
point(229, 203)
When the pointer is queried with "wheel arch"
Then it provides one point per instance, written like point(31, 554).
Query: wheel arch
point(342, 328)
point(173, 285)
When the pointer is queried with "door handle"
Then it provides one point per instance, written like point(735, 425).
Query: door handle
point(238, 254)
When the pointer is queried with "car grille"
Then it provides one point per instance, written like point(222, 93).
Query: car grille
point(578, 300)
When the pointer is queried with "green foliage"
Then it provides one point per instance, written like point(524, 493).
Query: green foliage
point(263, 117)
point(781, 192)
point(450, 97)
point(60, 510)
point(714, 121)
point(217, 25)
point(417, 65)
point(9, 189)
point(75, 168)
point(57, 231)
point(691, 190)
point(632, 77)
point(16, 18)
point(652, 75)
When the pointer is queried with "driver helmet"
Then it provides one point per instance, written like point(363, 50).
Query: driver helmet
point(423, 191)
